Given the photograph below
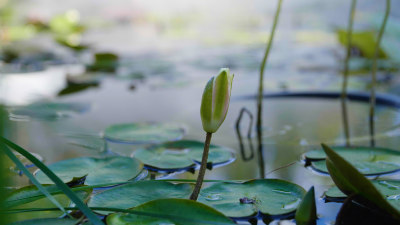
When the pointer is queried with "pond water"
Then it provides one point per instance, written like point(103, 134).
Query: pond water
point(162, 75)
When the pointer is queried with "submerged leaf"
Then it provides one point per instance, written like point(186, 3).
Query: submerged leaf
point(171, 211)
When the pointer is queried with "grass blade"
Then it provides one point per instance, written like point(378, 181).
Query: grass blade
point(60, 184)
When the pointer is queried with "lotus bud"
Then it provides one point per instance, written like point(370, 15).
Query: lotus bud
point(215, 100)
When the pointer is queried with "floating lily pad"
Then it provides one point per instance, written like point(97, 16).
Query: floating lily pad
point(27, 197)
point(48, 221)
point(389, 188)
point(98, 170)
point(181, 155)
point(144, 133)
point(270, 197)
point(47, 110)
point(134, 194)
point(171, 211)
point(369, 161)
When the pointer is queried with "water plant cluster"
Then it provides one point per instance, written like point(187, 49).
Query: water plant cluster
point(119, 190)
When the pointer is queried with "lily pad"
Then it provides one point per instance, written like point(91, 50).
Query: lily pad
point(48, 221)
point(134, 194)
point(368, 160)
point(389, 188)
point(144, 133)
point(25, 198)
point(171, 211)
point(98, 170)
point(181, 155)
point(47, 110)
point(270, 197)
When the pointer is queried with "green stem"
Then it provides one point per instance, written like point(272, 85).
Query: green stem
point(261, 90)
point(346, 73)
point(373, 75)
point(202, 171)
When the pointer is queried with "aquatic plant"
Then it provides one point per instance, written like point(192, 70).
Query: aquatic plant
point(373, 74)
point(261, 90)
point(213, 110)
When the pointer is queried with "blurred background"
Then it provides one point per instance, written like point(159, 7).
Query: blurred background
point(127, 61)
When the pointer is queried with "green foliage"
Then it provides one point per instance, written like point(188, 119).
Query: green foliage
point(104, 62)
point(182, 154)
point(171, 211)
point(98, 170)
point(144, 133)
point(47, 221)
point(271, 197)
point(353, 183)
point(306, 213)
point(368, 160)
point(134, 194)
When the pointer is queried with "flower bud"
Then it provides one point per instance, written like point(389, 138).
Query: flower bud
point(215, 101)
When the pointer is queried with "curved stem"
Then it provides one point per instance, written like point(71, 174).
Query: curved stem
point(346, 73)
point(373, 75)
point(202, 171)
point(261, 90)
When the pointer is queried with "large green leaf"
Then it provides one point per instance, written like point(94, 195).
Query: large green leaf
point(19, 201)
point(144, 133)
point(178, 155)
point(134, 194)
point(389, 188)
point(47, 110)
point(368, 160)
point(171, 211)
point(350, 181)
point(49, 221)
point(270, 197)
point(98, 170)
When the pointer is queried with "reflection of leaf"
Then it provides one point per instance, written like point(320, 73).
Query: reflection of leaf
point(362, 41)
point(353, 183)
point(171, 211)
point(126, 196)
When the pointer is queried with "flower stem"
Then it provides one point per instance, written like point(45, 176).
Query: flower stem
point(346, 73)
point(373, 75)
point(261, 90)
point(200, 177)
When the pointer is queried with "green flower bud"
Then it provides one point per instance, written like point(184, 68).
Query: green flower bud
point(215, 100)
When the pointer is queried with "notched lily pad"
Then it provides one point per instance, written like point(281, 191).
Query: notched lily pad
point(98, 170)
point(171, 211)
point(144, 133)
point(47, 110)
point(134, 194)
point(182, 155)
point(389, 188)
point(368, 160)
point(271, 198)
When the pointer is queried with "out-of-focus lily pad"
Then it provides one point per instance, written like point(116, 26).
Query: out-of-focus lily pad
point(48, 221)
point(25, 198)
point(47, 110)
point(134, 194)
point(87, 141)
point(144, 133)
point(105, 62)
point(389, 188)
point(351, 182)
point(178, 155)
point(98, 170)
point(171, 211)
point(363, 41)
point(369, 161)
point(271, 197)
